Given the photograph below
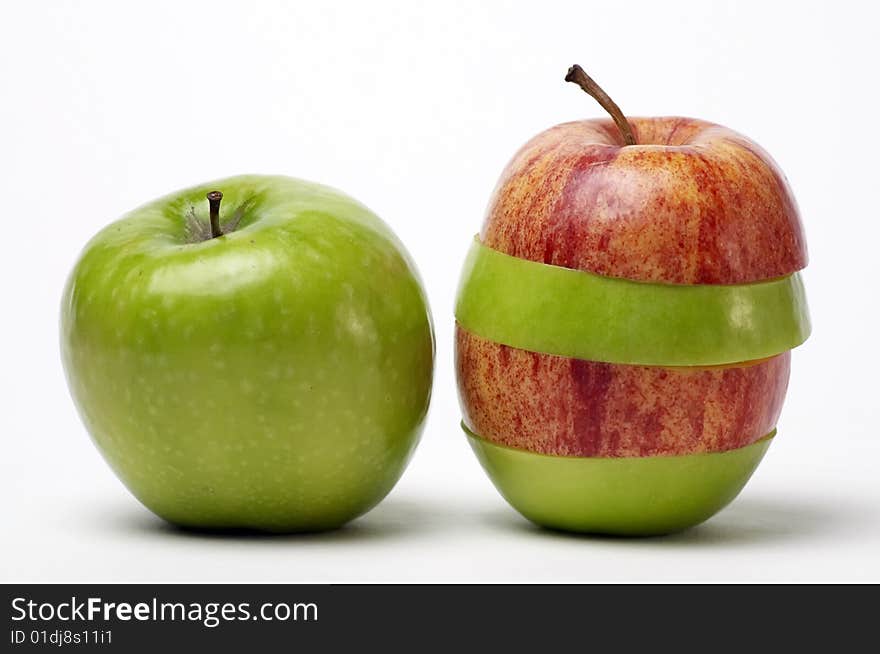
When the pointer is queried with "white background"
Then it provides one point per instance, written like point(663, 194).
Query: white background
point(414, 109)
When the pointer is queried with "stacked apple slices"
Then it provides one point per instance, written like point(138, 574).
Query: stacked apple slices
point(624, 324)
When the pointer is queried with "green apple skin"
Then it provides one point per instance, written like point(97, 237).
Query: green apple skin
point(276, 377)
point(620, 496)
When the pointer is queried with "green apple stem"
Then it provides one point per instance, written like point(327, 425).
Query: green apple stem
point(214, 198)
point(577, 75)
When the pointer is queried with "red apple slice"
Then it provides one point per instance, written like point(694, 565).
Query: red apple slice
point(572, 407)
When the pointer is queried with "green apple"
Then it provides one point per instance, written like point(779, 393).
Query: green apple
point(266, 364)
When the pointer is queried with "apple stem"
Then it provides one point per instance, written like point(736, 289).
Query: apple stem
point(577, 75)
point(214, 198)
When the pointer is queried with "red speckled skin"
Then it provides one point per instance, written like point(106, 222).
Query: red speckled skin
point(692, 203)
point(563, 406)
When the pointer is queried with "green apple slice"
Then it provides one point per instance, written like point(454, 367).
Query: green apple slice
point(639, 496)
point(543, 308)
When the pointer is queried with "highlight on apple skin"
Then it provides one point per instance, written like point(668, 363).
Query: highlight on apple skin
point(264, 364)
point(608, 446)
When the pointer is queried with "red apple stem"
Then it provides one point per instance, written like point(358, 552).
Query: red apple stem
point(214, 198)
point(577, 75)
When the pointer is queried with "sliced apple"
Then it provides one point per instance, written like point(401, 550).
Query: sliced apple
point(544, 308)
point(638, 496)
point(572, 407)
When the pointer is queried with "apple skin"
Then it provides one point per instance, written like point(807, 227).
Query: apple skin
point(276, 377)
point(572, 407)
point(691, 203)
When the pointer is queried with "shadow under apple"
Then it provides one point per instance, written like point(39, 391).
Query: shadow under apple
point(748, 521)
point(393, 518)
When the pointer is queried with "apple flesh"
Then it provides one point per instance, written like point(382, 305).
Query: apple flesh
point(276, 377)
point(571, 407)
